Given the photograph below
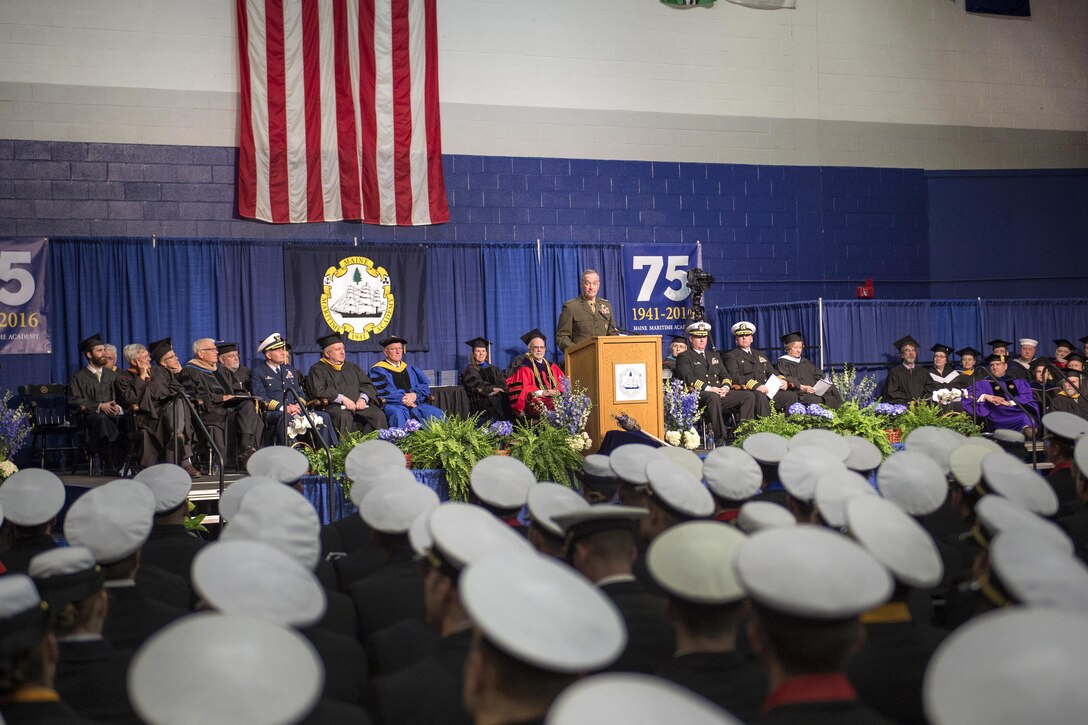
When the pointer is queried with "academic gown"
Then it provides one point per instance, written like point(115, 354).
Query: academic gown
point(327, 381)
point(38, 712)
point(903, 385)
point(1075, 404)
point(85, 392)
point(1003, 416)
point(392, 593)
point(392, 382)
point(479, 380)
point(528, 377)
point(797, 372)
point(208, 388)
point(159, 414)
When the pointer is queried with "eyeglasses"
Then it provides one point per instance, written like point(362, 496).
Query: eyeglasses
point(206, 349)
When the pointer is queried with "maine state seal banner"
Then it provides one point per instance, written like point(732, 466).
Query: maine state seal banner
point(365, 293)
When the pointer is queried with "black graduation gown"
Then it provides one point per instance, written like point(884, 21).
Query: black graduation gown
point(85, 392)
point(1060, 479)
point(92, 677)
point(163, 586)
point(427, 692)
point(208, 388)
point(651, 639)
point(392, 593)
point(1077, 405)
point(1076, 525)
point(903, 385)
point(478, 382)
point(727, 679)
point(324, 383)
point(803, 372)
point(158, 414)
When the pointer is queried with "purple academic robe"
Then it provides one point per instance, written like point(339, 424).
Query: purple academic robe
point(1002, 416)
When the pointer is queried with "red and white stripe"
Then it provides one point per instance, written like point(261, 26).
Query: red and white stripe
point(340, 112)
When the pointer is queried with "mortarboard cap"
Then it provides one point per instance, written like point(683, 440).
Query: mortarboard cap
point(895, 540)
point(160, 348)
point(330, 339)
point(169, 484)
point(693, 561)
point(391, 340)
point(534, 333)
point(1074, 356)
point(994, 357)
point(908, 340)
point(274, 341)
point(91, 342)
point(1083, 340)
point(224, 347)
point(31, 497)
point(678, 339)
point(969, 351)
point(792, 337)
point(479, 342)
point(1062, 342)
point(998, 342)
point(941, 348)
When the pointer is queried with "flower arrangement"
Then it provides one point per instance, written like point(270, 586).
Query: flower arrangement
point(861, 391)
point(14, 429)
point(299, 424)
point(395, 434)
point(815, 409)
point(947, 396)
point(453, 444)
point(570, 412)
point(682, 414)
point(7, 469)
point(889, 410)
point(922, 413)
point(546, 450)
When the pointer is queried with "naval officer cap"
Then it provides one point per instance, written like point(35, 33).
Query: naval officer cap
point(24, 617)
point(629, 462)
point(501, 482)
point(255, 579)
point(966, 463)
point(231, 500)
point(935, 442)
point(996, 514)
point(895, 540)
point(274, 341)
point(698, 329)
point(169, 484)
point(1009, 667)
point(834, 489)
point(801, 467)
point(633, 699)
point(279, 516)
point(913, 482)
point(364, 459)
point(596, 475)
point(548, 500)
point(1074, 357)
point(281, 463)
point(31, 497)
point(463, 534)
point(112, 520)
point(732, 474)
point(244, 669)
point(1029, 341)
point(1006, 475)
point(542, 613)
point(864, 455)
point(1031, 573)
point(682, 457)
point(812, 572)
point(766, 447)
point(392, 507)
point(601, 517)
point(743, 328)
point(677, 491)
point(826, 440)
point(758, 515)
point(693, 561)
point(65, 574)
point(1065, 425)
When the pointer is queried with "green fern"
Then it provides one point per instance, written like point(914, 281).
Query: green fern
point(319, 462)
point(452, 444)
point(852, 420)
point(546, 451)
point(922, 413)
point(776, 422)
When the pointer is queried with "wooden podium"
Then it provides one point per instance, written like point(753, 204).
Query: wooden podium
point(621, 375)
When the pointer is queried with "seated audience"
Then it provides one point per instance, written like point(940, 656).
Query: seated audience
point(95, 410)
point(801, 375)
point(485, 384)
point(403, 389)
point(906, 381)
point(996, 400)
point(220, 400)
point(750, 369)
point(702, 370)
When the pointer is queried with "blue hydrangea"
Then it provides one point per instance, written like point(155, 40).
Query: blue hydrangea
point(797, 409)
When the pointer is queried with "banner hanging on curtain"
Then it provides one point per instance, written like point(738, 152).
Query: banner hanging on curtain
point(24, 328)
point(366, 293)
point(655, 282)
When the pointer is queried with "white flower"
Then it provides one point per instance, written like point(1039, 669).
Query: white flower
point(8, 468)
point(944, 396)
point(672, 437)
point(691, 439)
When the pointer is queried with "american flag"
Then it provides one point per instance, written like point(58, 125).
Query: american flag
point(339, 112)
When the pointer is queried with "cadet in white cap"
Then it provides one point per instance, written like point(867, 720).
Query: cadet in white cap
point(693, 563)
point(673, 495)
point(684, 458)
point(1013, 666)
point(733, 477)
point(547, 500)
point(632, 699)
point(1007, 476)
point(30, 500)
point(429, 690)
point(864, 455)
point(362, 467)
point(169, 546)
point(1063, 429)
point(391, 508)
point(231, 500)
point(935, 442)
point(601, 545)
point(768, 449)
point(281, 463)
point(997, 514)
point(833, 490)
point(1024, 569)
point(808, 586)
point(28, 657)
point(501, 485)
point(825, 440)
point(113, 521)
point(1076, 523)
point(628, 463)
point(91, 673)
point(888, 670)
point(279, 516)
point(913, 481)
point(538, 626)
point(255, 579)
point(758, 515)
point(799, 470)
point(597, 480)
point(243, 670)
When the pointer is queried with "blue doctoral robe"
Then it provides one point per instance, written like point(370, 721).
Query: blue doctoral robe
point(267, 386)
point(1003, 416)
point(383, 376)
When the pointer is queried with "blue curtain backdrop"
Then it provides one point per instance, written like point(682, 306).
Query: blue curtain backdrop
point(772, 321)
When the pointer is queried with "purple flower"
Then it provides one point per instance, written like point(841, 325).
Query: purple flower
point(796, 409)
point(411, 426)
point(502, 428)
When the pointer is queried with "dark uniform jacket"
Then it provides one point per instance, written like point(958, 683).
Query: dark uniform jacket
point(578, 321)
point(92, 677)
point(702, 370)
point(397, 698)
point(392, 593)
point(401, 645)
point(133, 617)
point(17, 558)
point(818, 700)
point(171, 548)
point(651, 639)
point(1076, 525)
point(346, 670)
point(727, 679)
point(42, 713)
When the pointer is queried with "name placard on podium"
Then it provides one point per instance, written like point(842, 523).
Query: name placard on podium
point(621, 375)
